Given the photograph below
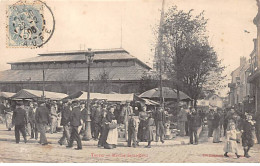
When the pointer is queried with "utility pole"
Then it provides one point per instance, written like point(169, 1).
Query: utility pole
point(159, 51)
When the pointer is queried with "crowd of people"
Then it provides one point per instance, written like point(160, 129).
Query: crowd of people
point(31, 118)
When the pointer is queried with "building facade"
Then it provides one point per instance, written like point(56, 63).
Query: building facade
point(113, 70)
point(239, 87)
point(254, 78)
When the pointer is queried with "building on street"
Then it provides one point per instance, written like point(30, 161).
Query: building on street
point(239, 87)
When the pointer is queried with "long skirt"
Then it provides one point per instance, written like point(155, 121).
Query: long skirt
point(8, 120)
point(231, 146)
point(216, 134)
point(141, 131)
point(149, 136)
point(112, 136)
point(247, 139)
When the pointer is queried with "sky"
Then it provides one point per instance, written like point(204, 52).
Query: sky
point(100, 24)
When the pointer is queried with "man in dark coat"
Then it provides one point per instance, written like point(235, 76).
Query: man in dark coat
point(160, 119)
point(97, 117)
point(19, 120)
point(132, 131)
point(195, 123)
point(75, 122)
point(42, 118)
point(65, 117)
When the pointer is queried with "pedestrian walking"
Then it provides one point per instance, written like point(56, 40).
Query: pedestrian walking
point(97, 118)
point(216, 127)
point(54, 118)
point(141, 128)
point(160, 122)
point(42, 119)
point(112, 136)
point(195, 123)
point(231, 141)
point(132, 131)
point(149, 136)
point(8, 117)
point(75, 122)
point(182, 119)
point(31, 115)
point(126, 111)
point(104, 130)
point(65, 119)
point(247, 134)
point(19, 119)
point(210, 118)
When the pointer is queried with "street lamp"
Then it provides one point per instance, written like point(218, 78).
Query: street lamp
point(87, 133)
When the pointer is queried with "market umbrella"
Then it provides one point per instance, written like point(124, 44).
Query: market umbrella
point(167, 93)
point(6, 94)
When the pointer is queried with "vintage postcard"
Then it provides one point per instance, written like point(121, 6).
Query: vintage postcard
point(129, 81)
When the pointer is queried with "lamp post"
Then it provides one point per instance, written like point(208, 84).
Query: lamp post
point(43, 79)
point(87, 133)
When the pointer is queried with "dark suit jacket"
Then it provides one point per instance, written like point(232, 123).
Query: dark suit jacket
point(19, 116)
point(97, 115)
point(75, 117)
point(65, 116)
point(42, 115)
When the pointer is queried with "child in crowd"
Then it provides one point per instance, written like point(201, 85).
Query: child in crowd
point(231, 143)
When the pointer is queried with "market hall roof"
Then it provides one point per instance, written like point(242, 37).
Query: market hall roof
point(74, 56)
point(72, 74)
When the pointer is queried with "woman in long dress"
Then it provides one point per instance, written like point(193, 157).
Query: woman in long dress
point(8, 117)
point(112, 133)
point(231, 142)
point(104, 130)
point(141, 131)
point(247, 134)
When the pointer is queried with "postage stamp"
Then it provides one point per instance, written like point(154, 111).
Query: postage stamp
point(27, 25)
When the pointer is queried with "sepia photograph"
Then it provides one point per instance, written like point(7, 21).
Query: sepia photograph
point(129, 81)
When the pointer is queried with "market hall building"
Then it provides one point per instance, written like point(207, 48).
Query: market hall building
point(113, 70)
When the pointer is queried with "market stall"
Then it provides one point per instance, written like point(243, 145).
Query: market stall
point(36, 94)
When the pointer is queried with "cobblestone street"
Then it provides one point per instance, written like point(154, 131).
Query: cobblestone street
point(206, 151)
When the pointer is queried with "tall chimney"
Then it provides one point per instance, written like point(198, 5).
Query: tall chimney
point(242, 61)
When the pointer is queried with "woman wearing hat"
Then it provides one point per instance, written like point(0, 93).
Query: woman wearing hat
point(247, 134)
point(112, 133)
point(141, 131)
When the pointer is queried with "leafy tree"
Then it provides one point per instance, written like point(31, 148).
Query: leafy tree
point(189, 59)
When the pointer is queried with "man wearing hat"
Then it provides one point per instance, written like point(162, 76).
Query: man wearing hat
point(160, 121)
point(132, 131)
point(97, 117)
point(42, 118)
point(182, 119)
point(75, 122)
point(65, 117)
point(19, 120)
point(149, 129)
point(126, 111)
